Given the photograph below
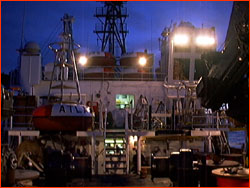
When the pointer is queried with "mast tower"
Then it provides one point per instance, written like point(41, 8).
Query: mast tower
point(112, 29)
point(65, 59)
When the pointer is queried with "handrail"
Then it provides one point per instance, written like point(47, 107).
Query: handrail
point(120, 73)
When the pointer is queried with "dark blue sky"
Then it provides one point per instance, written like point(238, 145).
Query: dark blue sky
point(145, 23)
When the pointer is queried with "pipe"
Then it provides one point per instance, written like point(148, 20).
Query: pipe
point(139, 155)
point(93, 153)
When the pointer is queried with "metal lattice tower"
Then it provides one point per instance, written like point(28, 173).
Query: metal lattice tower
point(112, 28)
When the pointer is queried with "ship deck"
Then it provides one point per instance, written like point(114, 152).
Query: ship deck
point(131, 180)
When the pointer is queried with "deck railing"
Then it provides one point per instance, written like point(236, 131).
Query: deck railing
point(119, 73)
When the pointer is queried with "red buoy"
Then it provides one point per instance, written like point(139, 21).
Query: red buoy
point(231, 182)
point(62, 117)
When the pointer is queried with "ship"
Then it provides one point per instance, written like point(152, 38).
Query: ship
point(113, 116)
point(62, 117)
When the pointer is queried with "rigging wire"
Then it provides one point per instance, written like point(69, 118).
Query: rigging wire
point(23, 20)
point(45, 50)
point(51, 36)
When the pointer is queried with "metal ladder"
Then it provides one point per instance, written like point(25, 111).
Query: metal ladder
point(224, 144)
point(115, 154)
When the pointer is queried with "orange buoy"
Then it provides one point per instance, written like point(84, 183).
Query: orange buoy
point(62, 117)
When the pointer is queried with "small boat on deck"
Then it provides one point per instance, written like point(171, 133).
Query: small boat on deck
point(131, 59)
point(132, 70)
point(100, 59)
point(100, 65)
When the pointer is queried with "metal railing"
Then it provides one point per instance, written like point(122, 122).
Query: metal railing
point(211, 121)
point(119, 73)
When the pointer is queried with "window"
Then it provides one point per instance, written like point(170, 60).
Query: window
point(124, 101)
point(181, 69)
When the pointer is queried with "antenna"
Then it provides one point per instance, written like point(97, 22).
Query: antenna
point(22, 35)
point(151, 33)
point(20, 50)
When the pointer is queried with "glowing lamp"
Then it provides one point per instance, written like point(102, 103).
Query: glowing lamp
point(142, 61)
point(181, 39)
point(83, 60)
point(133, 139)
point(205, 41)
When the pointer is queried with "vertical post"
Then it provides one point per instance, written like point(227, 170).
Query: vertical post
point(126, 121)
point(93, 139)
point(11, 122)
point(149, 117)
point(178, 106)
point(139, 155)
point(100, 117)
point(131, 116)
point(104, 153)
point(165, 111)
point(127, 153)
point(105, 130)
point(19, 139)
point(209, 142)
point(105, 118)
point(217, 120)
point(173, 116)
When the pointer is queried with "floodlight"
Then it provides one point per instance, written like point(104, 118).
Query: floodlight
point(83, 60)
point(142, 61)
point(205, 41)
point(181, 39)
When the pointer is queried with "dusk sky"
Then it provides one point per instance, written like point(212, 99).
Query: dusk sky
point(145, 23)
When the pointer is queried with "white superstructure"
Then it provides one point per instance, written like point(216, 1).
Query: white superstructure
point(181, 50)
point(30, 69)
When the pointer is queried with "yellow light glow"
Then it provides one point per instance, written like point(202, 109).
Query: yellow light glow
point(83, 60)
point(131, 140)
point(181, 39)
point(119, 141)
point(142, 61)
point(205, 41)
point(135, 138)
point(109, 140)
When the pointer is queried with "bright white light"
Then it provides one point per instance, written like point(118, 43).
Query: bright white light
point(135, 138)
point(142, 61)
point(205, 41)
point(83, 60)
point(181, 39)
point(132, 139)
